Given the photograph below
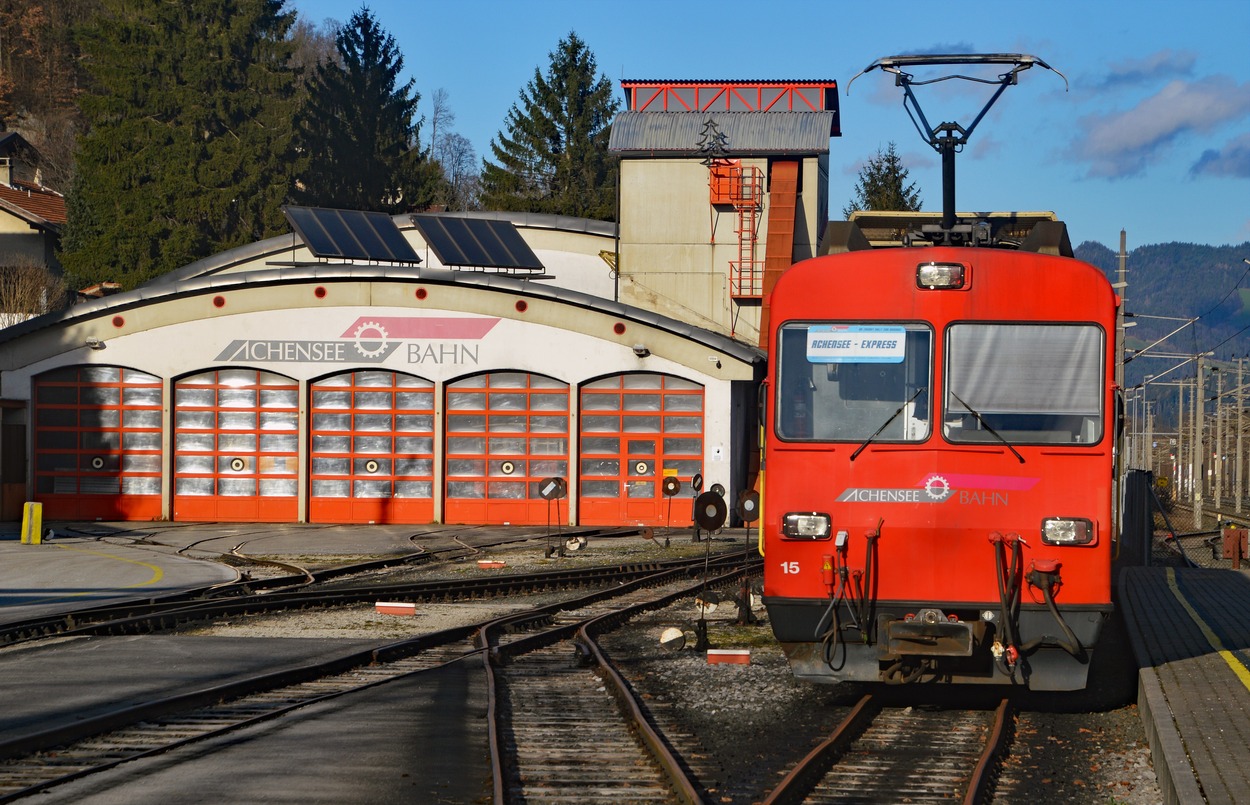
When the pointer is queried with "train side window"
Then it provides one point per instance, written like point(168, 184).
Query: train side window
point(1030, 383)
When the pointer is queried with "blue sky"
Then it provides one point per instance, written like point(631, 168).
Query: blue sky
point(1151, 135)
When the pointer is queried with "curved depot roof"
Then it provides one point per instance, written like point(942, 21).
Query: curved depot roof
point(209, 275)
point(271, 247)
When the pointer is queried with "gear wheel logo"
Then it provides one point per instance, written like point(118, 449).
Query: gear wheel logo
point(937, 488)
point(367, 335)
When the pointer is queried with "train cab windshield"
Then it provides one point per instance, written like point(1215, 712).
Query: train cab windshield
point(854, 382)
point(1023, 383)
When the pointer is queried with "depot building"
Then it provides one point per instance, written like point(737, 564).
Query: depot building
point(264, 385)
point(445, 367)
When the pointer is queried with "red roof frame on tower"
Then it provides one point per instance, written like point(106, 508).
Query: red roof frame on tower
point(818, 95)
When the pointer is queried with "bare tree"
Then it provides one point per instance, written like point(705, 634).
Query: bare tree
point(455, 155)
point(441, 119)
point(460, 170)
point(28, 289)
point(313, 44)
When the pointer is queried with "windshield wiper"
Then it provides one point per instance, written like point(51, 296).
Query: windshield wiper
point(886, 424)
point(986, 425)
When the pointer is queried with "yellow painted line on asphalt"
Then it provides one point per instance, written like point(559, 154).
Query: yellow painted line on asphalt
point(157, 575)
point(1239, 668)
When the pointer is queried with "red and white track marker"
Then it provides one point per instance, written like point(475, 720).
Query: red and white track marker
point(490, 564)
point(395, 608)
point(729, 656)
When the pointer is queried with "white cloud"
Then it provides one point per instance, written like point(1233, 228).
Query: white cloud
point(1233, 160)
point(1126, 143)
point(1158, 66)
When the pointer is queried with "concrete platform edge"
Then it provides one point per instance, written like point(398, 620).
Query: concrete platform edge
point(1176, 777)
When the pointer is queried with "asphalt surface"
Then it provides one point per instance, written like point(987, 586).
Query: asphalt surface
point(90, 564)
point(419, 740)
point(405, 741)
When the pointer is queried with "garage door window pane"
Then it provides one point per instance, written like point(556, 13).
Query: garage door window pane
point(464, 444)
point(601, 424)
point(418, 423)
point(600, 444)
point(331, 489)
point(372, 444)
point(414, 444)
point(236, 420)
point(237, 441)
point(190, 442)
point(194, 397)
point(194, 486)
point(414, 489)
point(601, 489)
point(332, 444)
point(642, 424)
point(236, 398)
point(331, 399)
point(278, 487)
point(279, 443)
point(236, 487)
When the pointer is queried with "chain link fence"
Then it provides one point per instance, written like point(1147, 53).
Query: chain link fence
point(1182, 532)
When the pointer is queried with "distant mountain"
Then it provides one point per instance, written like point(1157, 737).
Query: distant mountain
point(1181, 281)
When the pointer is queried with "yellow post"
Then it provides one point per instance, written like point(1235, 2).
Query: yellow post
point(32, 524)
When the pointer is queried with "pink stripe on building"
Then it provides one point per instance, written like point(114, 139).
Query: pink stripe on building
point(457, 328)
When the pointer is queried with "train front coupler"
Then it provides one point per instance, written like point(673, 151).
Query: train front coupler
point(1044, 577)
point(1005, 648)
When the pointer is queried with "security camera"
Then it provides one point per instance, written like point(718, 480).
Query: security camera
point(641, 350)
point(94, 343)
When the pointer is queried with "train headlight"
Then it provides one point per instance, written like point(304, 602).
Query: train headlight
point(1067, 531)
point(940, 275)
point(806, 525)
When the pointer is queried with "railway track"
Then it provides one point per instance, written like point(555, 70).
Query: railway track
point(39, 762)
point(565, 726)
point(901, 754)
point(566, 739)
point(197, 606)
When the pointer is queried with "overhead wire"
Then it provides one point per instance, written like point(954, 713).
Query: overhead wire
point(1236, 287)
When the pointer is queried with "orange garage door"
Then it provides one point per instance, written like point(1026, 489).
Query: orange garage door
point(637, 429)
point(98, 444)
point(506, 431)
point(372, 449)
point(236, 447)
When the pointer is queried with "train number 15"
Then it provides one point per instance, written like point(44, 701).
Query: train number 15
point(789, 568)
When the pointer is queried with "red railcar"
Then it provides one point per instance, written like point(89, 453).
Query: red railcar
point(939, 465)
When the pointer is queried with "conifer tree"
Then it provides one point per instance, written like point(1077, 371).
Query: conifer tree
point(188, 148)
point(358, 134)
point(881, 185)
point(553, 155)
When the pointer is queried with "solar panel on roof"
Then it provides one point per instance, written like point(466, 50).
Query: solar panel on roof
point(477, 243)
point(350, 234)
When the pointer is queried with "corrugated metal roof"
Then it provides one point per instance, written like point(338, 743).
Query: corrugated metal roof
point(755, 133)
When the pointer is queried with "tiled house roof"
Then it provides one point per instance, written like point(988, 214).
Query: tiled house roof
point(41, 208)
